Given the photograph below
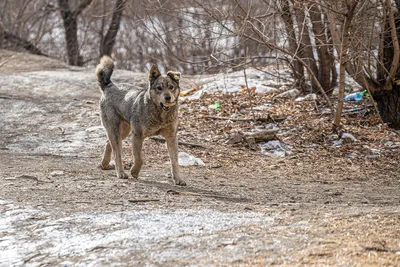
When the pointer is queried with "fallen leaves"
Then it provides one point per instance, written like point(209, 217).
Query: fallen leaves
point(302, 125)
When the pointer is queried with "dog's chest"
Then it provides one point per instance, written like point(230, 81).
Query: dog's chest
point(155, 124)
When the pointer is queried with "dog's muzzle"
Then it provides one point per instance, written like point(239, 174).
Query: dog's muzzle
point(167, 106)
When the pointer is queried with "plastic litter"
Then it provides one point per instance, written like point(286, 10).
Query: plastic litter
point(289, 94)
point(366, 93)
point(266, 89)
point(309, 97)
point(263, 107)
point(127, 164)
point(216, 106)
point(185, 159)
point(275, 148)
point(349, 136)
point(354, 97)
point(196, 95)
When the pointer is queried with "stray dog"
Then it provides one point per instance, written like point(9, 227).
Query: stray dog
point(144, 113)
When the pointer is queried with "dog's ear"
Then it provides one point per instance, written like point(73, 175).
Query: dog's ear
point(154, 73)
point(175, 76)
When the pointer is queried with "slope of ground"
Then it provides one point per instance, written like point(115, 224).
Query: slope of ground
point(322, 204)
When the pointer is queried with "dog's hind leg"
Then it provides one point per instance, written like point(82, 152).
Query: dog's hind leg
point(116, 144)
point(115, 140)
point(105, 162)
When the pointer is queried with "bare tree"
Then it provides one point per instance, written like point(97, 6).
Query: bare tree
point(326, 66)
point(387, 93)
point(286, 14)
point(310, 41)
point(70, 19)
point(377, 71)
point(108, 41)
point(23, 24)
point(311, 36)
point(351, 8)
point(305, 48)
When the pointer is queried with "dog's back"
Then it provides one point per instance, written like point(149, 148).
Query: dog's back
point(115, 99)
point(132, 105)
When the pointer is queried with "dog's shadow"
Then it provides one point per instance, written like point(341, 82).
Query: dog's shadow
point(189, 191)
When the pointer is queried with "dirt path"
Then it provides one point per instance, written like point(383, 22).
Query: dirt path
point(242, 209)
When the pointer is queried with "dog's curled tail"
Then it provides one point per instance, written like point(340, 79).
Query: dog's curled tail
point(104, 71)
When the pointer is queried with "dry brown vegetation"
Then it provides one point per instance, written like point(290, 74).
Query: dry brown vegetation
point(332, 199)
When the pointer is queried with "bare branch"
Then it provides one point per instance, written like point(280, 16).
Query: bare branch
point(20, 42)
point(82, 5)
point(357, 76)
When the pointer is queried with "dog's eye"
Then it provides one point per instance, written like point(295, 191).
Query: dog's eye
point(159, 88)
point(170, 87)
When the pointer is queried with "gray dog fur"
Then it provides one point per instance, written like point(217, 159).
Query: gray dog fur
point(144, 113)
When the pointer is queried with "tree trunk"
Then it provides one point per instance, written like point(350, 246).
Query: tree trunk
point(108, 41)
point(388, 102)
point(304, 41)
point(389, 52)
point(71, 33)
point(358, 76)
point(387, 97)
point(324, 60)
point(331, 51)
point(71, 29)
point(288, 21)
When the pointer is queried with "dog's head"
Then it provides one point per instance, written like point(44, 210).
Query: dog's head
point(164, 89)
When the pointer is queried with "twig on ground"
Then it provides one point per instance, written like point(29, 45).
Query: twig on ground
point(157, 138)
point(269, 119)
point(29, 177)
point(142, 200)
point(5, 61)
point(260, 136)
point(381, 249)
point(115, 204)
point(348, 111)
point(83, 202)
point(31, 257)
point(174, 192)
point(99, 247)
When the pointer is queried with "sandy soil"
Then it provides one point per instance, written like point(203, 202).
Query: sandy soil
point(315, 207)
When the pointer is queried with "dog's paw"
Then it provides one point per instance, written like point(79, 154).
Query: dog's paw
point(180, 182)
point(122, 175)
point(106, 168)
point(135, 174)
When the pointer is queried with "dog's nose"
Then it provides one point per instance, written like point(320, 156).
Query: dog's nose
point(167, 98)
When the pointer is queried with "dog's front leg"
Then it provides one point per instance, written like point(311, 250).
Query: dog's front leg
point(172, 145)
point(137, 142)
